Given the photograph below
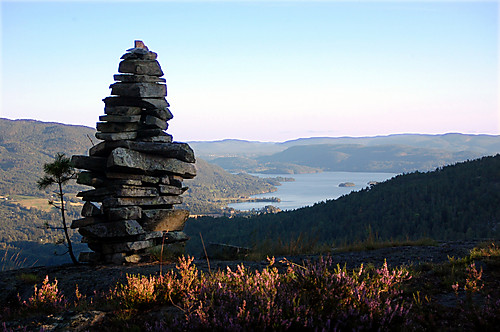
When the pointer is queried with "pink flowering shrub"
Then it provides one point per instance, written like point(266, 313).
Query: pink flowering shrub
point(138, 291)
point(473, 282)
point(330, 297)
point(47, 297)
point(315, 296)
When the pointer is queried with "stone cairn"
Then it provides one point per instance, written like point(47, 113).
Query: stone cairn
point(136, 171)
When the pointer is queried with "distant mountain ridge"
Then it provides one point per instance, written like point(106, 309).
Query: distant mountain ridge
point(361, 158)
point(481, 143)
point(393, 153)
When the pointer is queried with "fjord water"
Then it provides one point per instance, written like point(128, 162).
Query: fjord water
point(308, 189)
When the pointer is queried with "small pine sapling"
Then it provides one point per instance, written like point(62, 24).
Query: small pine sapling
point(59, 172)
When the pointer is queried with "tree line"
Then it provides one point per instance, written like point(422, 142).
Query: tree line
point(454, 202)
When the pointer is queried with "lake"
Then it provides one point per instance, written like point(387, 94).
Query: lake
point(308, 189)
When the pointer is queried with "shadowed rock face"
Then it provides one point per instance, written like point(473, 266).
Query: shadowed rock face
point(136, 171)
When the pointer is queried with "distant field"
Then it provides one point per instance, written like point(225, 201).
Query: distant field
point(35, 202)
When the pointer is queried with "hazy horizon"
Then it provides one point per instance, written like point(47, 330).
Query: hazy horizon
point(287, 140)
point(263, 71)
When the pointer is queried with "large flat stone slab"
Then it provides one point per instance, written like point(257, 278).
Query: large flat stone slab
point(115, 229)
point(121, 118)
point(117, 127)
point(122, 110)
point(145, 179)
point(163, 114)
point(149, 132)
point(164, 220)
point(116, 136)
point(138, 78)
point(153, 106)
point(96, 195)
point(163, 138)
point(153, 121)
point(87, 221)
point(126, 159)
point(171, 190)
point(128, 247)
point(91, 179)
point(140, 67)
point(165, 237)
point(134, 191)
point(91, 163)
point(123, 213)
point(181, 151)
point(142, 201)
point(139, 90)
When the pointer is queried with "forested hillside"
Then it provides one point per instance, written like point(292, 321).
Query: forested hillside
point(454, 202)
point(26, 145)
point(361, 158)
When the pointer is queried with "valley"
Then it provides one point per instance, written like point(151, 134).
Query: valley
point(24, 213)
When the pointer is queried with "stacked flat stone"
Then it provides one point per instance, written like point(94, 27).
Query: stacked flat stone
point(136, 171)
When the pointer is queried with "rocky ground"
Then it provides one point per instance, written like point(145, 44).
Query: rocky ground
point(92, 280)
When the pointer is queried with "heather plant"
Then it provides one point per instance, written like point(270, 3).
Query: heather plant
point(314, 296)
point(473, 282)
point(47, 297)
point(485, 250)
point(238, 300)
point(138, 291)
point(330, 297)
point(169, 288)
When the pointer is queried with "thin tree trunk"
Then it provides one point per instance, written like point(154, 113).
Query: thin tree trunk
point(70, 247)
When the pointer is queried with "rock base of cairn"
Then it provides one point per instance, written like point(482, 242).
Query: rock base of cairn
point(136, 172)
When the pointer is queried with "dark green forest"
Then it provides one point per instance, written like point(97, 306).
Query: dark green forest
point(453, 202)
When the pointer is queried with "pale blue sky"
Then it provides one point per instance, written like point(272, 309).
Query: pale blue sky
point(265, 70)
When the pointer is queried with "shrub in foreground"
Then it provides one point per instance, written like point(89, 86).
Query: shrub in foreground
point(317, 295)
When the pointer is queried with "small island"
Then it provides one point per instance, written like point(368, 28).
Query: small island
point(284, 179)
point(262, 199)
point(347, 184)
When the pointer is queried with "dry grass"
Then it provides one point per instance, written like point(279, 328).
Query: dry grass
point(373, 244)
point(302, 245)
point(31, 202)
